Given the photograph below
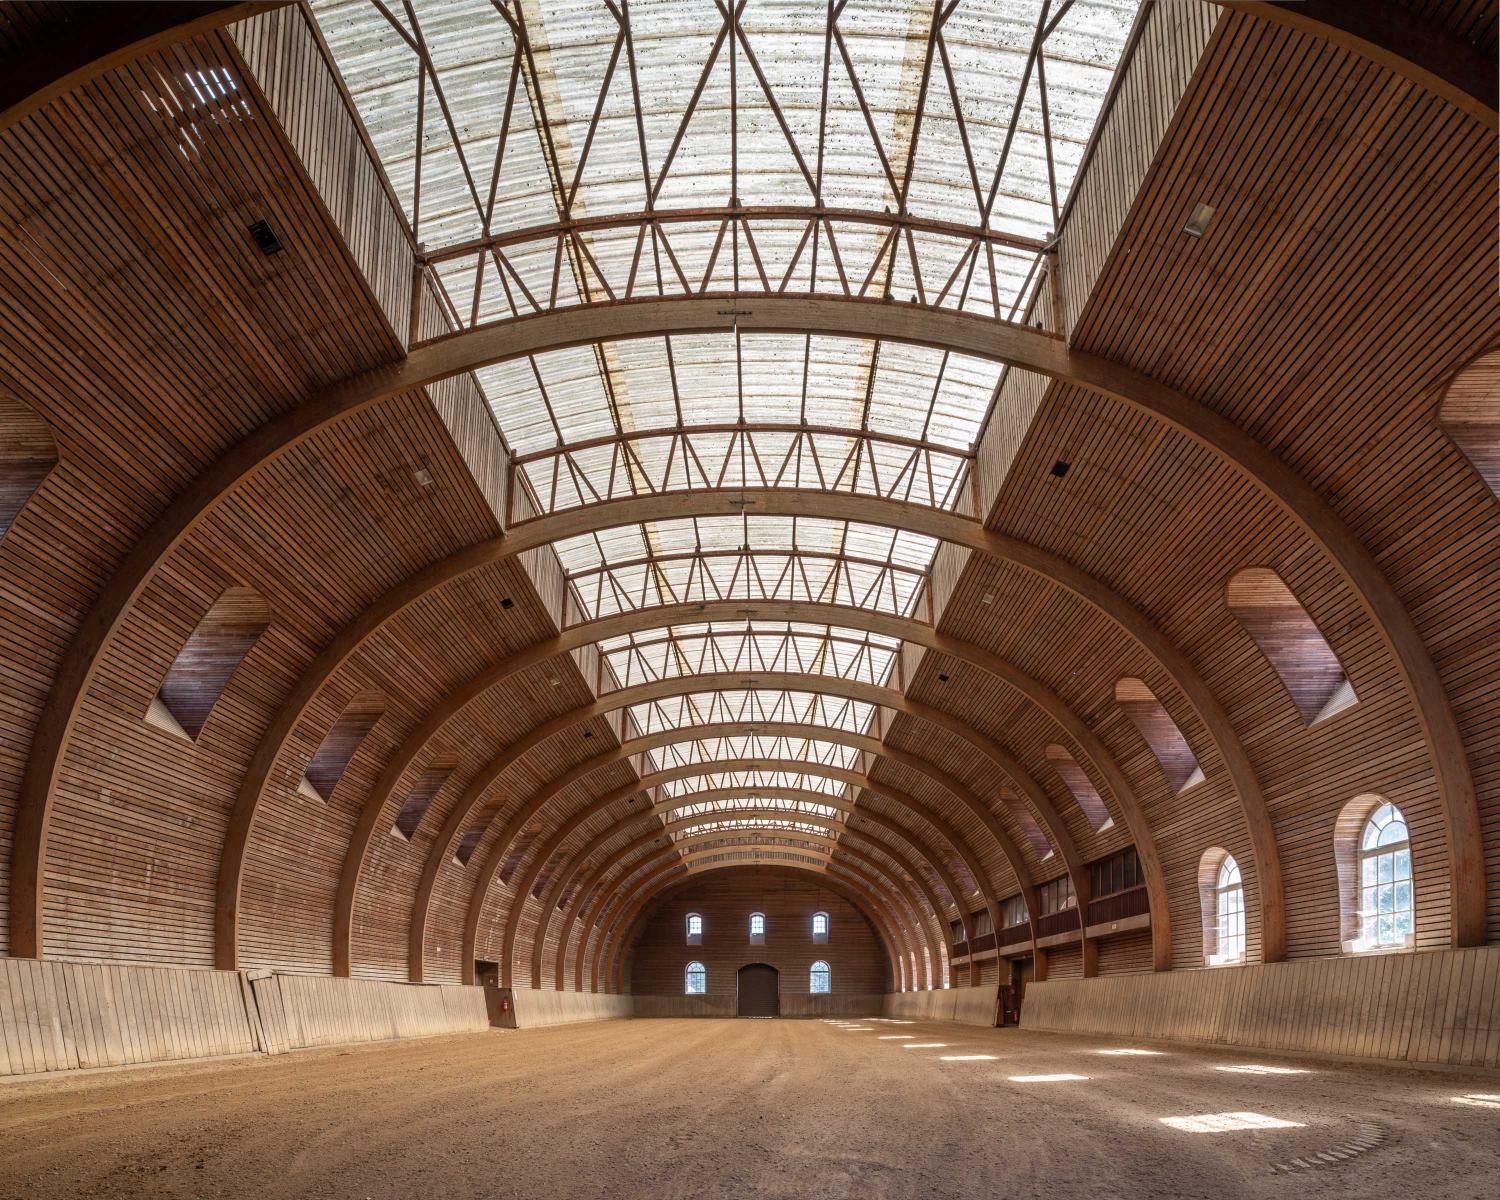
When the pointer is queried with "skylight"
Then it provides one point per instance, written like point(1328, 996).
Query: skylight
point(604, 116)
point(685, 650)
point(631, 567)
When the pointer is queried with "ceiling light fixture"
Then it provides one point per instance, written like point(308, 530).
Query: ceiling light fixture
point(1198, 219)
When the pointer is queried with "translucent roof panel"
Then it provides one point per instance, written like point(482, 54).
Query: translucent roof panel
point(706, 752)
point(686, 650)
point(631, 567)
point(751, 781)
point(719, 707)
point(750, 804)
point(676, 106)
point(572, 396)
point(750, 825)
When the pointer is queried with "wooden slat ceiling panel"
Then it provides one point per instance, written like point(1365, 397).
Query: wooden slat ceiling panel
point(968, 826)
point(148, 331)
point(1282, 320)
point(990, 706)
point(1472, 20)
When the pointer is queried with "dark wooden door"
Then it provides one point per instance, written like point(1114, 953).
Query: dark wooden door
point(760, 991)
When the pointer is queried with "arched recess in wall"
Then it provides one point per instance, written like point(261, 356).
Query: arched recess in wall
point(1377, 888)
point(1291, 642)
point(27, 455)
point(1080, 787)
point(1221, 900)
point(1151, 719)
point(340, 744)
point(210, 656)
point(1470, 415)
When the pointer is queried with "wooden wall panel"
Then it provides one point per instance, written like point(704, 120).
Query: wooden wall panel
point(61, 1016)
point(281, 52)
point(1438, 1007)
point(788, 898)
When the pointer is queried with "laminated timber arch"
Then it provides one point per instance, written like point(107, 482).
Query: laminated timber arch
point(860, 741)
point(846, 616)
point(613, 901)
point(571, 863)
point(865, 693)
point(868, 509)
point(461, 813)
point(617, 907)
point(980, 337)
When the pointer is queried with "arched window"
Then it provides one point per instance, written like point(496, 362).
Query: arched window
point(1222, 894)
point(820, 979)
point(757, 929)
point(820, 928)
point(1372, 846)
point(1286, 635)
point(694, 929)
point(695, 979)
point(1470, 415)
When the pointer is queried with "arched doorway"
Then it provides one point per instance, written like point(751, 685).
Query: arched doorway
point(759, 991)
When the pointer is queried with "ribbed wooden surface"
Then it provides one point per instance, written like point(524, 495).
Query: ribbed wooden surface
point(60, 1016)
point(1438, 1007)
point(297, 1011)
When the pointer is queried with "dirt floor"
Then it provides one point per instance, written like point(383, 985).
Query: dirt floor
point(752, 1108)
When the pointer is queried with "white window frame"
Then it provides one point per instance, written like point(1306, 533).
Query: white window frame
point(812, 979)
point(1369, 859)
point(695, 968)
point(757, 938)
point(1229, 915)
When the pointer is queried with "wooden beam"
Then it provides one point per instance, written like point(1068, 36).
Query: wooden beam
point(862, 742)
point(460, 814)
point(868, 620)
point(734, 501)
point(95, 38)
point(1399, 40)
point(1000, 341)
point(568, 867)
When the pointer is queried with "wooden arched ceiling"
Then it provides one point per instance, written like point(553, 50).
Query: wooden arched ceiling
point(612, 327)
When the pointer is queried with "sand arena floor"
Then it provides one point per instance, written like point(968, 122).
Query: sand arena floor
point(754, 1108)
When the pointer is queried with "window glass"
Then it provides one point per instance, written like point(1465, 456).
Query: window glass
point(694, 925)
point(820, 924)
point(1229, 914)
point(695, 981)
point(757, 925)
point(820, 979)
point(1387, 912)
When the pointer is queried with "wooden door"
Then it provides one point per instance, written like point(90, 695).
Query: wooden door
point(759, 991)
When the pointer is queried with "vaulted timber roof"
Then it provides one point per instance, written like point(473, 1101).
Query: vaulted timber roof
point(811, 437)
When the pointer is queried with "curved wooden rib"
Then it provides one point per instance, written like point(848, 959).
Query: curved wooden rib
point(892, 935)
point(563, 875)
point(101, 37)
point(917, 632)
point(861, 742)
point(618, 906)
point(858, 741)
point(1398, 40)
point(871, 510)
point(544, 912)
point(885, 892)
point(840, 737)
point(847, 689)
point(1028, 349)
